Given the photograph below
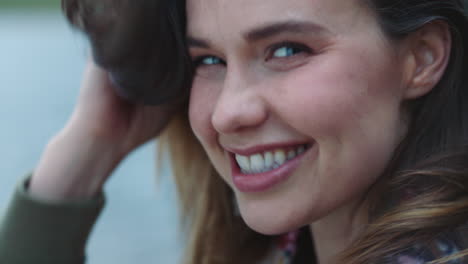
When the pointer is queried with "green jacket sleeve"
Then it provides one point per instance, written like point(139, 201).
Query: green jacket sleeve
point(38, 232)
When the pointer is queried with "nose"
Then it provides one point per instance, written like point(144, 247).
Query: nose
point(239, 106)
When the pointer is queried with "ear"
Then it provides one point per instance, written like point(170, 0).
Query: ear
point(429, 53)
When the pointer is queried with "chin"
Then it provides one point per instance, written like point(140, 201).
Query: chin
point(269, 229)
point(272, 223)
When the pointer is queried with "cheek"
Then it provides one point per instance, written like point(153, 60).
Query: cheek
point(352, 111)
point(203, 98)
point(202, 102)
point(339, 93)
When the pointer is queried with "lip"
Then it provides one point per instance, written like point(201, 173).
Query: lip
point(260, 182)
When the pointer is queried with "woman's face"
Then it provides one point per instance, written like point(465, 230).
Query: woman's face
point(297, 103)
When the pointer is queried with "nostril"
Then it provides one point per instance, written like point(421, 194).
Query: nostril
point(225, 121)
point(230, 116)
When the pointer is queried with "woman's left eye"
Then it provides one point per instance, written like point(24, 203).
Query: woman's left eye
point(284, 50)
point(285, 56)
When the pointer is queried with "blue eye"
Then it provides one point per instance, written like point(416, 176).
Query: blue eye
point(209, 66)
point(287, 55)
point(207, 60)
point(286, 51)
point(210, 60)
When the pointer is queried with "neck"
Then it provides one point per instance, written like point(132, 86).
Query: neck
point(335, 232)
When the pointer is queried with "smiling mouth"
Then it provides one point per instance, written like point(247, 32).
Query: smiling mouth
point(268, 160)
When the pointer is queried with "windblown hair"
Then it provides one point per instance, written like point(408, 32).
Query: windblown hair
point(141, 44)
point(429, 169)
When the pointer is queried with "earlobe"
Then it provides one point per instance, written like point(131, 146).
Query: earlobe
point(429, 55)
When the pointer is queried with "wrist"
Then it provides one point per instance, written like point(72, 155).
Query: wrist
point(73, 166)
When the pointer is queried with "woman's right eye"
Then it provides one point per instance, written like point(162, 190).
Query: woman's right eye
point(210, 67)
point(207, 61)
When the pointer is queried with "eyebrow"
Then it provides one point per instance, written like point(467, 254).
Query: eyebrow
point(193, 42)
point(291, 26)
point(268, 31)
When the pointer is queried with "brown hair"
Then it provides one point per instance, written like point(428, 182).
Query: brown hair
point(431, 163)
point(140, 43)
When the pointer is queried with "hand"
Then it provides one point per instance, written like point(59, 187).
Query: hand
point(103, 129)
point(104, 116)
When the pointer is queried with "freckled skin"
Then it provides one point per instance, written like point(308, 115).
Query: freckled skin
point(345, 97)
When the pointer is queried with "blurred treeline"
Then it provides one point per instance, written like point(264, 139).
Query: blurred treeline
point(31, 4)
point(56, 4)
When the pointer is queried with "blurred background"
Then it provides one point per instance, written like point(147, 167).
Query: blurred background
point(41, 64)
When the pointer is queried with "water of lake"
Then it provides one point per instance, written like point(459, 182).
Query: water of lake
point(41, 62)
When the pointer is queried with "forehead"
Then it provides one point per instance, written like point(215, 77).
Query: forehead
point(218, 17)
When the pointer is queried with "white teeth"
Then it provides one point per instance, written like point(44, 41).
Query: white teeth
point(244, 162)
point(280, 157)
point(268, 159)
point(262, 162)
point(256, 163)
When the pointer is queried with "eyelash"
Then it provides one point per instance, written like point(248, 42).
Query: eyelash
point(198, 61)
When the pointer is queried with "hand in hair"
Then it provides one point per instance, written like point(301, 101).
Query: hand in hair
point(102, 130)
